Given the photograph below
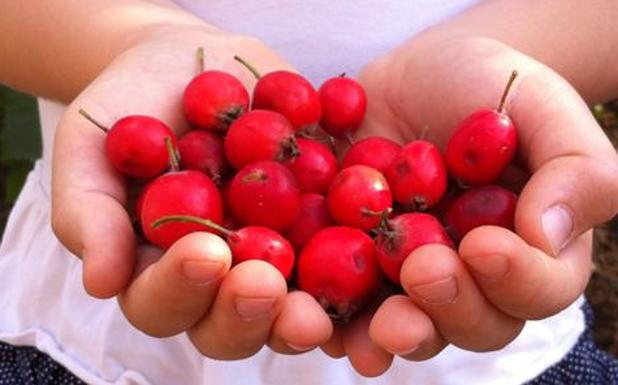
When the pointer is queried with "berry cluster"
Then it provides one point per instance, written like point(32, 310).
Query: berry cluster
point(261, 172)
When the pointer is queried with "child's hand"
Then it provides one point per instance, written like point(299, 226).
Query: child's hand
point(228, 314)
point(479, 297)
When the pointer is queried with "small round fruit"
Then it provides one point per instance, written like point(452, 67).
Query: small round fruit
point(338, 267)
point(374, 151)
point(401, 235)
point(483, 145)
point(260, 135)
point(312, 217)
point(214, 99)
point(479, 206)
point(289, 94)
point(179, 193)
point(266, 194)
point(203, 151)
point(358, 196)
point(314, 167)
point(417, 175)
point(344, 104)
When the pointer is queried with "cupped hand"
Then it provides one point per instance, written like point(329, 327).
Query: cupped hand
point(479, 296)
point(227, 312)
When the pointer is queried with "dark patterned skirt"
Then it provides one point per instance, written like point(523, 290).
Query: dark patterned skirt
point(585, 364)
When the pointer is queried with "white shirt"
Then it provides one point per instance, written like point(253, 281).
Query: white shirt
point(43, 303)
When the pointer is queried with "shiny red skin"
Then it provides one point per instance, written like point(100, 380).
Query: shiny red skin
point(418, 176)
point(405, 233)
point(344, 104)
point(257, 242)
point(312, 217)
point(479, 206)
point(374, 151)
point(213, 99)
point(355, 191)
point(315, 166)
point(265, 194)
point(135, 145)
point(259, 135)
point(203, 151)
point(481, 147)
point(289, 94)
point(339, 268)
point(187, 192)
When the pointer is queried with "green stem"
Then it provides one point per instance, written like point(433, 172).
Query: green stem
point(174, 161)
point(93, 120)
point(200, 59)
point(191, 219)
point(248, 66)
point(506, 90)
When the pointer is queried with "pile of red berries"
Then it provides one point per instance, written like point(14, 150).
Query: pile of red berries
point(265, 177)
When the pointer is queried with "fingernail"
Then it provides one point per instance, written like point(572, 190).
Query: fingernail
point(300, 348)
point(558, 226)
point(489, 266)
point(202, 272)
point(440, 292)
point(251, 309)
point(406, 352)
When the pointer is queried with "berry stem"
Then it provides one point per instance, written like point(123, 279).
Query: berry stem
point(191, 219)
point(174, 161)
point(93, 120)
point(342, 75)
point(506, 90)
point(349, 139)
point(200, 59)
point(248, 66)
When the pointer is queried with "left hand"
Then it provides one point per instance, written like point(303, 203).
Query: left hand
point(479, 297)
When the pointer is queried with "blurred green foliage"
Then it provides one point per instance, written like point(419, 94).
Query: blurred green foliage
point(20, 145)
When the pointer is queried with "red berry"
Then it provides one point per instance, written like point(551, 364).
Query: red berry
point(136, 145)
point(203, 151)
point(344, 104)
point(314, 167)
point(289, 94)
point(479, 206)
point(214, 99)
point(358, 196)
point(483, 145)
point(260, 135)
point(417, 175)
point(401, 235)
point(338, 267)
point(266, 194)
point(179, 193)
point(374, 151)
point(247, 243)
point(312, 217)
point(257, 242)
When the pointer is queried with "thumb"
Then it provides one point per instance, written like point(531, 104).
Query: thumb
point(173, 293)
point(564, 198)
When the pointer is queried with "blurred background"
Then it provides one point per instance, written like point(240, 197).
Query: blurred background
point(20, 147)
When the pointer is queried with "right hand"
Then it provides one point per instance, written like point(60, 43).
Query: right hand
point(228, 314)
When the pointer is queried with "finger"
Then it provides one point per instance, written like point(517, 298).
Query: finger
point(88, 213)
point(301, 326)
point(520, 279)
point(402, 328)
point(574, 185)
point(437, 280)
point(172, 294)
point(239, 322)
point(334, 346)
point(367, 358)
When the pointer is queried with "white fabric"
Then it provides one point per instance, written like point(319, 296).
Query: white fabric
point(43, 303)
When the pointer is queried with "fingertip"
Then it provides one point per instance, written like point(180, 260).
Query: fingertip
point(366, 357)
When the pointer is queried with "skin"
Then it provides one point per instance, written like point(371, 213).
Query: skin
point(152, 44)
